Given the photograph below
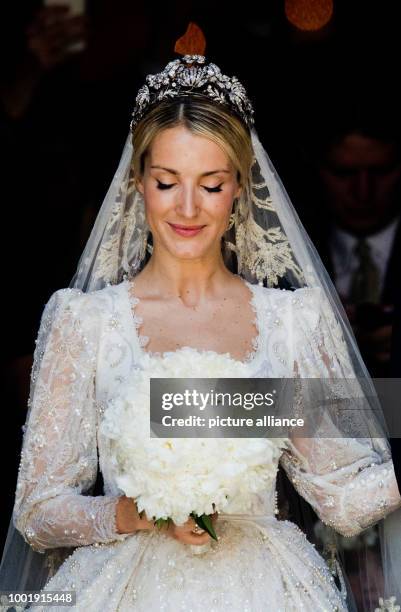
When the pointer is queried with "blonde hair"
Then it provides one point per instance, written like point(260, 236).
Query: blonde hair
point(202, 117)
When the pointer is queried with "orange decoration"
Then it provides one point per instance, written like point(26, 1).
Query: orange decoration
point(192, 43)
point(309, 15)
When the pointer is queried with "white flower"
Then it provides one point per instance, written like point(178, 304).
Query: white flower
point(172, 478)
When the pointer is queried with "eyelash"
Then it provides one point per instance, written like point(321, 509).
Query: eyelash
point(209, 189)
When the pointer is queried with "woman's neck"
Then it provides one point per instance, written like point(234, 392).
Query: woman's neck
point(191, 281)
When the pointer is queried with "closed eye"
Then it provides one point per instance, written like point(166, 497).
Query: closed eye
point(214, 189)
point(163, 185)
point(209, 189)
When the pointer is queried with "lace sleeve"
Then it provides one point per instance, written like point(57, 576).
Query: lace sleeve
point(59, 452)
point(349, 481)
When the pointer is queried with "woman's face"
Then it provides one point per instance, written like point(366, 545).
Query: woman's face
point(188, 182)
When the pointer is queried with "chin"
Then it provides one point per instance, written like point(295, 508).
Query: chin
point(364, 226)
point(188, 253)
point(187, 248)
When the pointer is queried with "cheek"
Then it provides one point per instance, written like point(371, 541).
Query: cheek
point(334, 186)
point(156, 202)
point(388, 185)
point(220, 205)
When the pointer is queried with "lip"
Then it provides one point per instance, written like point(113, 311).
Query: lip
point(186, 230)
point(188, 227)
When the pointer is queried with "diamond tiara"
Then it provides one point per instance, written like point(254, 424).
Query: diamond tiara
point(191, 75)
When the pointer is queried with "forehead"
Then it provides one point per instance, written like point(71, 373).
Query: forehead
point(358, 150)
point(179, 148)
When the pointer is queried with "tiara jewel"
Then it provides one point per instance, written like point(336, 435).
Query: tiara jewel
point(190, 75)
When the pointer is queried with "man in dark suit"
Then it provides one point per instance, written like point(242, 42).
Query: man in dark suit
point(358, 231)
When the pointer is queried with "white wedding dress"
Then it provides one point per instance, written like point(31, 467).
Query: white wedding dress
point(259, 563)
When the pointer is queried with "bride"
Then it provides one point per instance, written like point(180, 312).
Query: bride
point(196, 254)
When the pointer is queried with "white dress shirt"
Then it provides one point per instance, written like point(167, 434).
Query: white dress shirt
point(345, 261)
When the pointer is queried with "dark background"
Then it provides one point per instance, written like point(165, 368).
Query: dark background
point(64, 118)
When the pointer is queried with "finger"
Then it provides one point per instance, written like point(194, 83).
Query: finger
point(194, 539)
point(191, 532)
point(188, 525)
point(164, 526)
point(143, 521)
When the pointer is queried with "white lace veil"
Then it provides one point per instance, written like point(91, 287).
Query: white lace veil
point(267, 244)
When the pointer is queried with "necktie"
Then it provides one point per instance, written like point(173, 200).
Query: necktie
point(365, 284)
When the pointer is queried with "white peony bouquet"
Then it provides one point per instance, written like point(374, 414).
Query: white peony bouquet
point(172, 479)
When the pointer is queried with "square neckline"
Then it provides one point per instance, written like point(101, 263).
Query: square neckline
point(251, 357)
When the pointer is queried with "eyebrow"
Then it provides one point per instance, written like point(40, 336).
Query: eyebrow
point(204, 173)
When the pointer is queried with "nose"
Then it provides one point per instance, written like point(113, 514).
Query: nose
point(363, 185)
point(188, 204)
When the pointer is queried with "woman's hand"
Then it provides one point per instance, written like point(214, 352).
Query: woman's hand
point(128, 520)
point(189, 532)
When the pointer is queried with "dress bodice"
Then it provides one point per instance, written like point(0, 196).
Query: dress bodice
point(122, 353)
point(122, 346)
